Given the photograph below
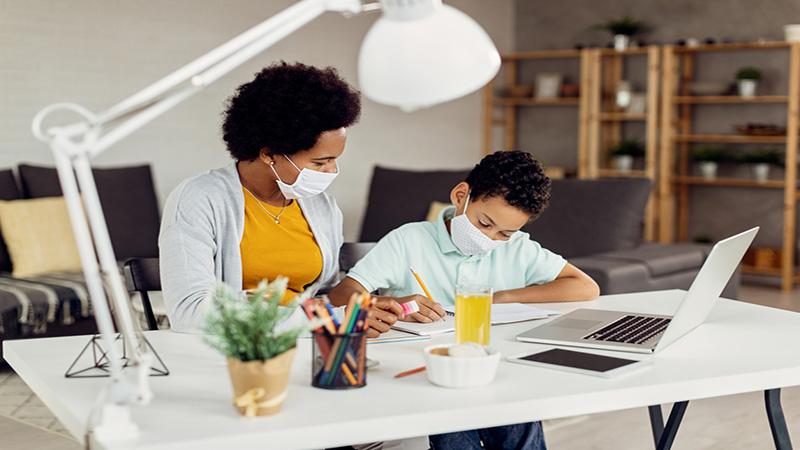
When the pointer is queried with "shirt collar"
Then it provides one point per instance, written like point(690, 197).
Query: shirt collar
point(442, 235)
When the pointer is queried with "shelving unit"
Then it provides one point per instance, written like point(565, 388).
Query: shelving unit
point(677, 136)
point(507, 107)
point(604, 125)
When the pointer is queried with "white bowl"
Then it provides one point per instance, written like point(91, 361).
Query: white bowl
point(456, 372)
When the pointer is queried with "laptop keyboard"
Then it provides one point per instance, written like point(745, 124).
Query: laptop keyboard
point(631, 330)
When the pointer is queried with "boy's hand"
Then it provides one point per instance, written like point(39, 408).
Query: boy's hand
point(429, 310)
point(383, 316)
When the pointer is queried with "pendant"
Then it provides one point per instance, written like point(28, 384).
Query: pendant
point(277, 220)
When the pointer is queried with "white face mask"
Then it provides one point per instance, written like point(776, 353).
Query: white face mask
point(468, 238)
point(308, 184)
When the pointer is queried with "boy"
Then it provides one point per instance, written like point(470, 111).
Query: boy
point(477, 240)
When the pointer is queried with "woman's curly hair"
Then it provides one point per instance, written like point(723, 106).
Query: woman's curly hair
point(513, 175)
point(285, 109)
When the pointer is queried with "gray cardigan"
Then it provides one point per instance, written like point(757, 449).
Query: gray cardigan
point(199, 241)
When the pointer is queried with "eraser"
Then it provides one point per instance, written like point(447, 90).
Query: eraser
point(409, 307)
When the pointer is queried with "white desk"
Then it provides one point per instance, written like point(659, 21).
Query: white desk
point(741, 348)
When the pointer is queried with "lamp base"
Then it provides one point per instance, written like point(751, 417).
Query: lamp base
point(99, 367)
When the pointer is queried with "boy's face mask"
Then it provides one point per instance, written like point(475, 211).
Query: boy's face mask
point(468, 238)
point(308, 184)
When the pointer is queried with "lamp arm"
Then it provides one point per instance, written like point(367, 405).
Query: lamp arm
point(75, 144)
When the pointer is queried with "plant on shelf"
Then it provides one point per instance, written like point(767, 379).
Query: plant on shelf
point(622, 29)
point(761, 159)
point(250, 330)
point(747, 81)
point(622, 154)
point(708, 159)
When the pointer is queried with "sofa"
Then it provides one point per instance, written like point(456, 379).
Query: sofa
point(60, 302)
point(596, 224)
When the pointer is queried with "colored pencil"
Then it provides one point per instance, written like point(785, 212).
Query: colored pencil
point(422, 285)
point(410, 372)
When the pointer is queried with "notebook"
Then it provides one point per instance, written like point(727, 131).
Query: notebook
point(501, 313)
point(396, 336)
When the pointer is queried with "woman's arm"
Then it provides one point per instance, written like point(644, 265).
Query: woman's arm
point(186, 257)
point(570, 285)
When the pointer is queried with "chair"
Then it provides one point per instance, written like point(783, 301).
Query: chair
point(142, 276)
point(352, 252)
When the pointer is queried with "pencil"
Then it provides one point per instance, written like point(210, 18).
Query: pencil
point(348, 374)
point(410, 372)
point(422, 285)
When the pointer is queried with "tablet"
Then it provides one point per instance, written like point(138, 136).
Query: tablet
point(580, 362)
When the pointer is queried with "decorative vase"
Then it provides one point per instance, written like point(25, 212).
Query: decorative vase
point(747, 88)
point(621, 42)
point(623, 163)
point(260, 387)
point(760, 171)
point(708, 169)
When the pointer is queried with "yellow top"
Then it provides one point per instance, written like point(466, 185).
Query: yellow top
point(270, 249)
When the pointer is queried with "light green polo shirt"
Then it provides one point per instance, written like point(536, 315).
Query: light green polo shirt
point(427, 247)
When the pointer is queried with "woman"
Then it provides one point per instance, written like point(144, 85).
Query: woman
point(267, 213)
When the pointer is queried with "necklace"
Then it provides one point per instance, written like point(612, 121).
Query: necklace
point(275, 217)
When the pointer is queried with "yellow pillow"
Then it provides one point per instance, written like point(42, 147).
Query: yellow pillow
point(434, 210)
point(39, 237)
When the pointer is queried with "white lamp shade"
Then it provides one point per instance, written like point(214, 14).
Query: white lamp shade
point(414, 63)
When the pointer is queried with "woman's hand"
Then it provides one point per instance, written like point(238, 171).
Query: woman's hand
point(383, 315)
point(429, 310)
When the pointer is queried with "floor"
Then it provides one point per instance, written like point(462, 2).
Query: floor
point(728, 423)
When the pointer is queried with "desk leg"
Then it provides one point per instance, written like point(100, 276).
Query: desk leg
point(667, 437)
point(656, 422)
point(777, 423)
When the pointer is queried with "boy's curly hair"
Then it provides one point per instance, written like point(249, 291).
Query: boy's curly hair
point(513, 175)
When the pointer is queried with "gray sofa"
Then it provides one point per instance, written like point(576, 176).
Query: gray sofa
point(596, 224)
point(58, 303)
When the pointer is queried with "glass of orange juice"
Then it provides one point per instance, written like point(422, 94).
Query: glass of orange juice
point(473, 313)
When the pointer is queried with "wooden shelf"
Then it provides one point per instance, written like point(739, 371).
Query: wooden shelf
point(526, 101)
point(626, 52)
point(768, 271)
point(542, 54)
point(621, 117)
point(729, 99)
point(620, 173)
point(730, 139)
point(731, 182)
point(734, 46)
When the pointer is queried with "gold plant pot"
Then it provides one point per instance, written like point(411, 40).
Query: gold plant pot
point(260, 387)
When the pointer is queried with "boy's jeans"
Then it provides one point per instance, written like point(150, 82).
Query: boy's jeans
point(523, 436)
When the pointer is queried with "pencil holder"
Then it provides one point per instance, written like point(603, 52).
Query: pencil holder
point(339, 361)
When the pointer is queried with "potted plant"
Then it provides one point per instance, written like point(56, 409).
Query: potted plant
point(760, 160)
point(708, 159)
point(622, 154)
point(747, 81)
point(249, 330)
point(622, 29)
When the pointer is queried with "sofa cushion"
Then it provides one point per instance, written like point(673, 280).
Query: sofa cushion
point(129, 203)
point(397, 197)
point(8, 191)
point(586, 217)
point(663, 260)
point(39, 236)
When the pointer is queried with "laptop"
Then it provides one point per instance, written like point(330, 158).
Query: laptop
point(648, 333)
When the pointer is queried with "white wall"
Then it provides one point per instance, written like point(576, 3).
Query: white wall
point(96, 52)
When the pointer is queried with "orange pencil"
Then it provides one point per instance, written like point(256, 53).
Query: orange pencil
point(422, 285)
point(410, 372)
point(326, 318)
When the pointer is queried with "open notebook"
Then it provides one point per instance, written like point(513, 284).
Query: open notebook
point(501, 313)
